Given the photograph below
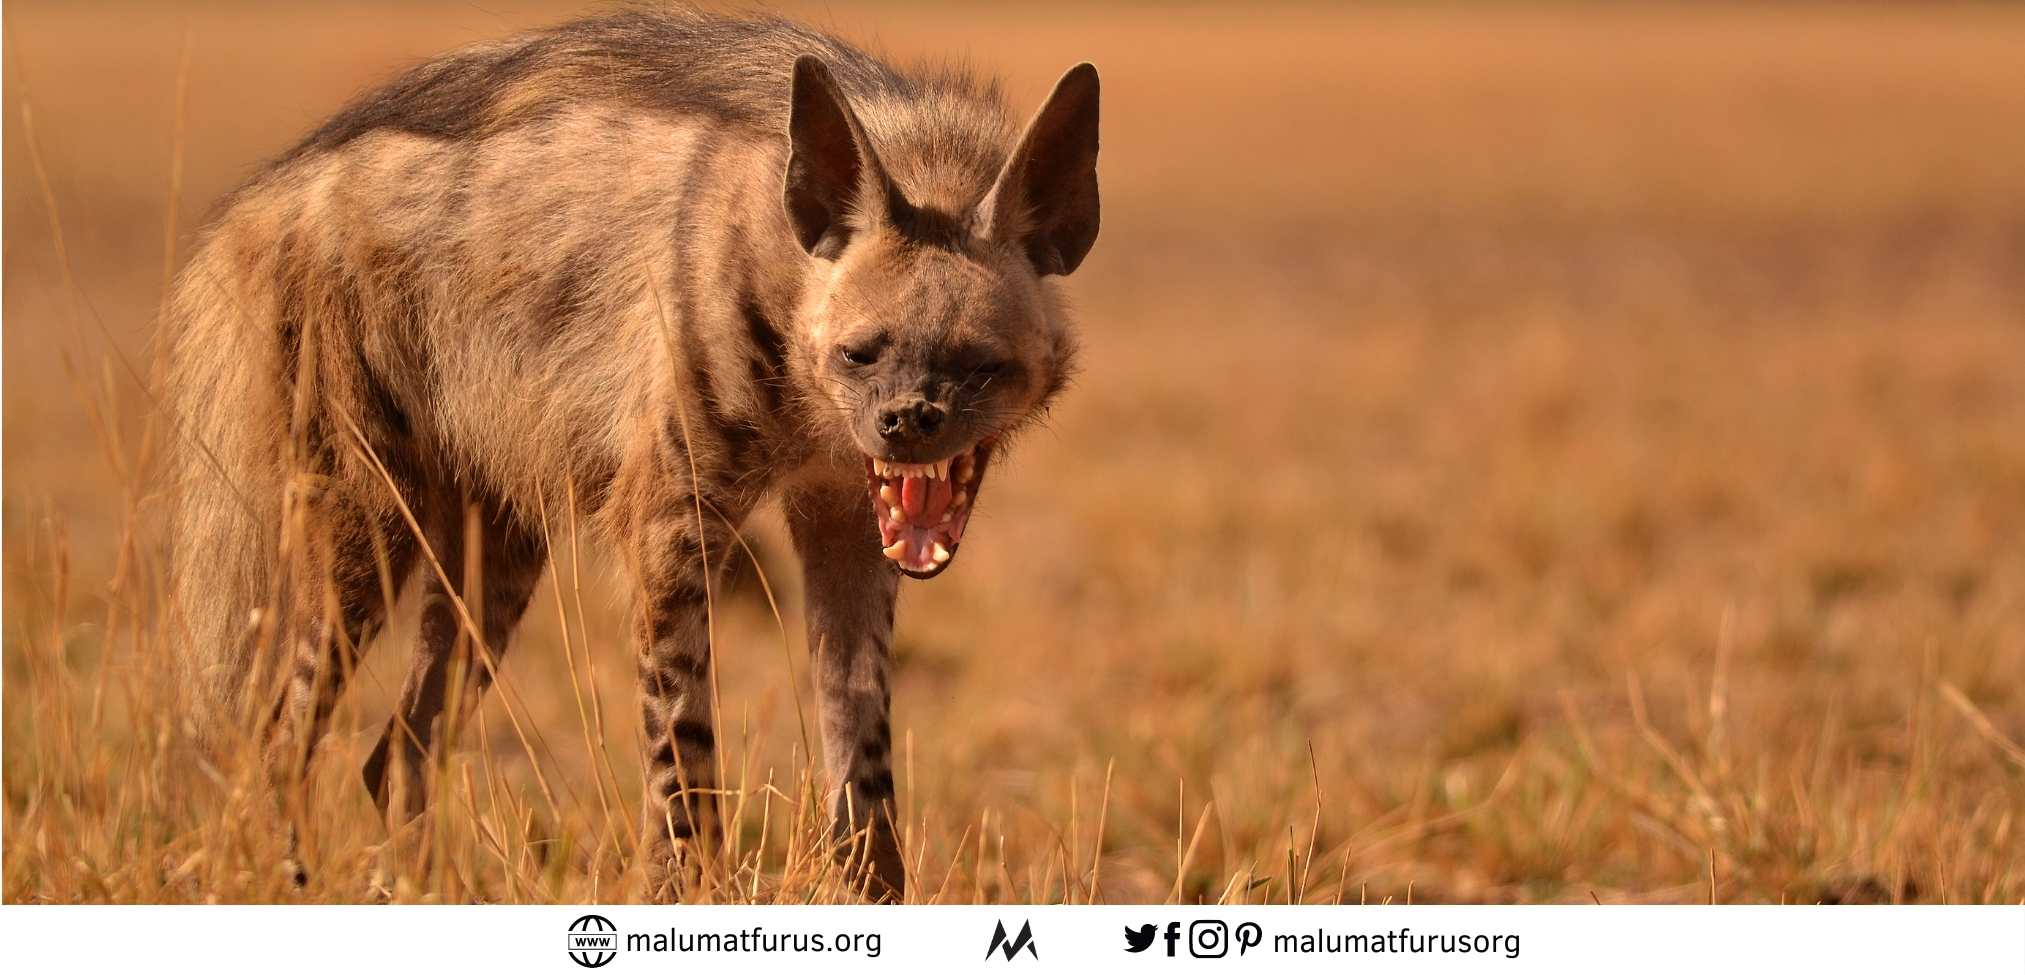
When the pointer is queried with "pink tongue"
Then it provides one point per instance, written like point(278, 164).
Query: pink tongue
point(923, 500)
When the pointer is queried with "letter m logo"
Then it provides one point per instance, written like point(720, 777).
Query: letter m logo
point(1011, 947)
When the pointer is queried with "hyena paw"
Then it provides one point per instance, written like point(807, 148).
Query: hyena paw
point(675, 872)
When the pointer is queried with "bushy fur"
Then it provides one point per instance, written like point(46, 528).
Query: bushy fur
point(556, 271)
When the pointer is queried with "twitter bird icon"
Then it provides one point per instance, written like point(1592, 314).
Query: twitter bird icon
point(1139, 939)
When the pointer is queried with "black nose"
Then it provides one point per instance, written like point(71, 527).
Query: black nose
point(910, 418)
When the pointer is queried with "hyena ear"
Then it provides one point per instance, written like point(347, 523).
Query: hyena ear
point(831, 171)
point(1046, 196)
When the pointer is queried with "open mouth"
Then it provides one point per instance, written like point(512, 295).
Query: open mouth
point(923, 508)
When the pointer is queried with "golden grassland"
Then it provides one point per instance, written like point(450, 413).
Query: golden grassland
point(1523, 455)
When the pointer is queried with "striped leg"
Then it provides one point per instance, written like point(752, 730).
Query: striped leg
point(334, 604)
point(334, 594)
point(851, 590)
point(672, 621)
point(495, 562)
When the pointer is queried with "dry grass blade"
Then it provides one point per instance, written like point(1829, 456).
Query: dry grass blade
point(1981, 722)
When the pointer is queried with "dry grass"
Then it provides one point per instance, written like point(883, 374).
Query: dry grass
point(1524, 456)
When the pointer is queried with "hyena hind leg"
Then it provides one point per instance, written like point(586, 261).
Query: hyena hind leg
point(343, 560)
point(494, 563)
point(851, 590)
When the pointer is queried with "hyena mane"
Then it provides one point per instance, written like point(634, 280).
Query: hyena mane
point(648, 269)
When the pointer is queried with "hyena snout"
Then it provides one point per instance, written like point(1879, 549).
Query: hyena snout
point(911, 420)
point(924, 464)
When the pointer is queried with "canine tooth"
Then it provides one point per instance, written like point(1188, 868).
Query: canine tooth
point(888, 495)
point(941, 470)
point(897, 550)
point(881, 468)
point(940, 554)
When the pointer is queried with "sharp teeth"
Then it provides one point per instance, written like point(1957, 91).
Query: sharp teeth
point(960, 497)
point(942, 470)
point(888, 495)
point(896, 514)
point(897, 550)
point(940, 555)
point(882, 468)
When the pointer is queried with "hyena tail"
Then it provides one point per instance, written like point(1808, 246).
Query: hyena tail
point(222, 392)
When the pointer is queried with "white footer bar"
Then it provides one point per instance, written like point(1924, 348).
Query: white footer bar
point(622, 939)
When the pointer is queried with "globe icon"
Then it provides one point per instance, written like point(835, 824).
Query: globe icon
point(593, 941)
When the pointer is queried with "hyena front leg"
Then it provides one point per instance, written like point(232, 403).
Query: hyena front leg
point(851, 588)
point(673, 634)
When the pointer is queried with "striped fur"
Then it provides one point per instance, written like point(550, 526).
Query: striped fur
point(602, 270)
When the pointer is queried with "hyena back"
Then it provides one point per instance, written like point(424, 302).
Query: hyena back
point(646, 269)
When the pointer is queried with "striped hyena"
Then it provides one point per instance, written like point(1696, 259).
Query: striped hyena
point(646, 269)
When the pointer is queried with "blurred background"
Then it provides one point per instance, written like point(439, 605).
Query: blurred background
point(1525, 453)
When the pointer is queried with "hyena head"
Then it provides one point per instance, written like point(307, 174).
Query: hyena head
point(928, 334)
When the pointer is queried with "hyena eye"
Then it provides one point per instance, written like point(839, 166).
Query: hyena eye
point(863, 355)
point(988, 369)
